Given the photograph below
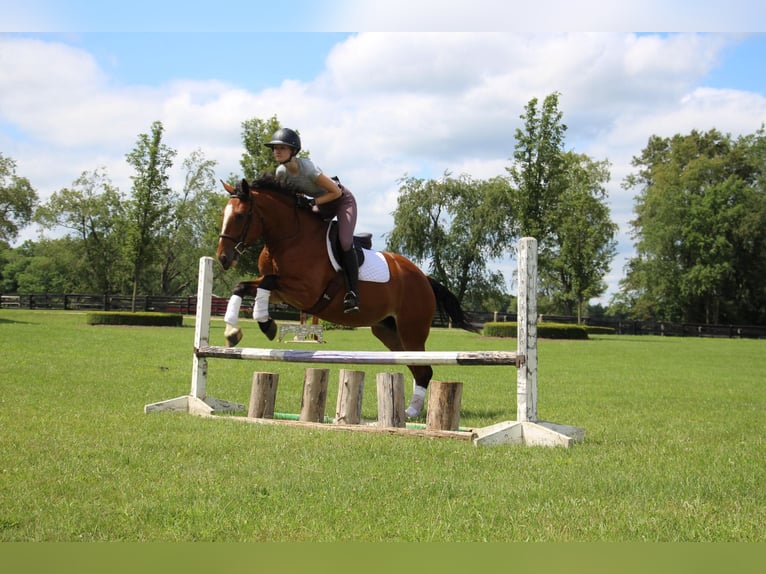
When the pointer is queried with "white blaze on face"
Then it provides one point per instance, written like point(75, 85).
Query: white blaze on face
point(228, 213)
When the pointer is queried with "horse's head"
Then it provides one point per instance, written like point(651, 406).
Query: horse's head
point(238, 229)
point(268, 210)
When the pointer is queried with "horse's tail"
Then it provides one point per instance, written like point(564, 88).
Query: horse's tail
point(448, 304)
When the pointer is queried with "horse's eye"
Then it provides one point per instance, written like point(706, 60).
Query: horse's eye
point(239, 217)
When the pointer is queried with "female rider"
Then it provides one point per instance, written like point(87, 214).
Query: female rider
point(325, 197)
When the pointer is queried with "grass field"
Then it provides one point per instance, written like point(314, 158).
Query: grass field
point(674, 447)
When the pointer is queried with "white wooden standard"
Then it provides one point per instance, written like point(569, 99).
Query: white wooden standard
point(197, 401)
point(526, 375)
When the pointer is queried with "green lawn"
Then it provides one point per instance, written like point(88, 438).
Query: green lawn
point(674, 447)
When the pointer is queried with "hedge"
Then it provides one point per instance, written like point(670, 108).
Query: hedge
point(544, 330)
point(127, 318)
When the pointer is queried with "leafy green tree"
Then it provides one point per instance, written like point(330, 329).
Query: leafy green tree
point(17, 200)
point(452, 226)
point(583, 237)
point(91, 211)
point(560, 199)
point(193, 229)
point(700, 229)
point(538, 179)
point(149, 210)
point(41, 267)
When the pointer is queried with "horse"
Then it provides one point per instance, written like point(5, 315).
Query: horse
point(296, 266)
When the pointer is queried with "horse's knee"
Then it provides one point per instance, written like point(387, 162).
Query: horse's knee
point(423, 375)
point(269, 282)
point(243, 288)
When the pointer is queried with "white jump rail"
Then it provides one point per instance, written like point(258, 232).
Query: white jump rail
point(527, 429)
point(364, 357)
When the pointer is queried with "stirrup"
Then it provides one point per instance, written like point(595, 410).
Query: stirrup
point(350, 302)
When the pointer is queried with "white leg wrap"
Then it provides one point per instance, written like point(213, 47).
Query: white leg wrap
point(261, 305)
point(417, 402)
point(232, 310)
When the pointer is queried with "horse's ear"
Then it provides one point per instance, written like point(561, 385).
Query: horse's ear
point(243, 191)
point(229, 188)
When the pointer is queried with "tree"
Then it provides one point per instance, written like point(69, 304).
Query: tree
point(193, 229)
point(91, 210)
point(537, 174)
point(149, 209)
point(40, 267)
point(583, 237)
point(559, 198)
point(700, 229)
point(17, 200)
point(452, 226)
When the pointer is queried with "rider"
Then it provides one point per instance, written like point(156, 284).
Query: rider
point(326, 196)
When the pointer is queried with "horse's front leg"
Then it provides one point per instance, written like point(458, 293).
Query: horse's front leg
point(260, 289)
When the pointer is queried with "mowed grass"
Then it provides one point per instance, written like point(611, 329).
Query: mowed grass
point(674, 447)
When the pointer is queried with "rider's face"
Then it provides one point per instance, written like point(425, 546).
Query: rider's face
point(282, 153)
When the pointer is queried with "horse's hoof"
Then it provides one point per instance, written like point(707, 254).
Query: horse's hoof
point(416, 405)
point(269, 328)
point(412, 412)
point(233, 337)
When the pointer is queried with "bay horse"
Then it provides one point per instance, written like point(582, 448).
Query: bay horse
point(296, 267)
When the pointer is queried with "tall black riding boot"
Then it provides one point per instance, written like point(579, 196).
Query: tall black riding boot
point(351, 273)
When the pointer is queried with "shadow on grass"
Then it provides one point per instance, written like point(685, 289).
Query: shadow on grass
point(4, 321)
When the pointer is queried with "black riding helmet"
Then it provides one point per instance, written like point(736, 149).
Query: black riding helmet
point(286, 136)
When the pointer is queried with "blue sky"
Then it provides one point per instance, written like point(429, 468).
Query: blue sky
point(253, 61)
point(407, 91)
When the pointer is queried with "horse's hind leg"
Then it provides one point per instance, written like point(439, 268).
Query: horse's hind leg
point(388, 333)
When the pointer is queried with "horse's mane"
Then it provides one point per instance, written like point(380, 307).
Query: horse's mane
point(271, 184)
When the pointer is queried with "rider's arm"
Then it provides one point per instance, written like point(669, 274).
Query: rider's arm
point(332, 189)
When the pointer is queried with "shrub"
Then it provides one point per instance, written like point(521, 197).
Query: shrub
point(544, 330)
point(127, 318)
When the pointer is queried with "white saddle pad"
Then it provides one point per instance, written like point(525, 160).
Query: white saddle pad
point(374, 268)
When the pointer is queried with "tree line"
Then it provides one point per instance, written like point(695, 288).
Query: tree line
point(699, 226)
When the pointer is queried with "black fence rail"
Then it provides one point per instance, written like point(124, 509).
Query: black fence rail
point(188, 306)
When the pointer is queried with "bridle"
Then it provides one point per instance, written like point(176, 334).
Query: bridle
point(240, 243)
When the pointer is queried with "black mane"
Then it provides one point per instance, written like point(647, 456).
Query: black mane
point(269, 183)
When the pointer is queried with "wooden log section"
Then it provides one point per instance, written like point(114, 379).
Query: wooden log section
point(390, 387)
point(444, 405)
point(314, 395)
point(364, 357)
point(263, 395)
point(348, 409)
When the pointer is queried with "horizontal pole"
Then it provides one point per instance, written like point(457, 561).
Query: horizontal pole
point(365, 357)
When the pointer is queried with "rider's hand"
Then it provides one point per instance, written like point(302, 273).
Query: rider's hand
point(307, 202)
